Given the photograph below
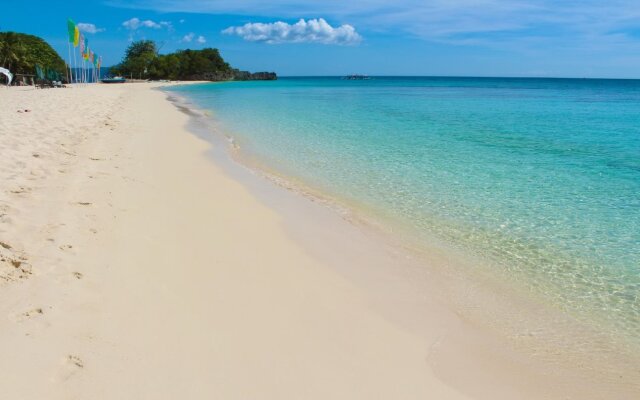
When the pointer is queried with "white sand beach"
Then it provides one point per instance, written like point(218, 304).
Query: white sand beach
point(133, 265)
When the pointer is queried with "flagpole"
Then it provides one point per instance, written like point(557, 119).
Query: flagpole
point(70, 77)
point(75, 64)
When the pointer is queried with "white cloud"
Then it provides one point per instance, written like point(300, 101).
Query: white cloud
point(453, 21)
point(89, 28)
point(311, 31)
point(189, 37)
point(135, 23)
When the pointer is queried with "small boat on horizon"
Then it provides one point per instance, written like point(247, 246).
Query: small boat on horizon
point(357, 77)
point(116, 79)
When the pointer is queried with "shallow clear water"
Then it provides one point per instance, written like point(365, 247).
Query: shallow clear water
point(539, 177)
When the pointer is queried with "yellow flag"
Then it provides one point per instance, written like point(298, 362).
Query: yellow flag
point(76, 37)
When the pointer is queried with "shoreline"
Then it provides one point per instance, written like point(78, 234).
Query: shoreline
point(546, 332)
point(154, 267)
point(559, 298)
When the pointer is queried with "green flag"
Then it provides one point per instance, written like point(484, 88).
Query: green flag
point(71, 29)
point(39, 72)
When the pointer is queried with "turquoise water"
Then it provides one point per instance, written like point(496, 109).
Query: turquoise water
point(539, 177)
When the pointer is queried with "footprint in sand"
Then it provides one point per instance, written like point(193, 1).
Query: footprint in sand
point(36, 312)
point(20, 190)
point(66, 247)
point(78, 275)
point(75, 360)
point(69, 366)
point(33, 320)
point(84, 203)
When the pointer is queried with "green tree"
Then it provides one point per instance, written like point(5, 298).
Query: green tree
point(20, 53)
point(137, 59)
point(142, 61)
point(165, 67)
point(13, 53)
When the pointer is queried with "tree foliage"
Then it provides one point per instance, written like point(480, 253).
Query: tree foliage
point(206, 64)
point(142, 60)
point(137, 59)
point(20, 53)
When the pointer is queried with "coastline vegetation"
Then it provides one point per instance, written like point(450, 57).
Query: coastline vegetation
point(142, 61)
point(20, 53)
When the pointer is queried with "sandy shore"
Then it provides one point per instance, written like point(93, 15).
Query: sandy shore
point(135, 263)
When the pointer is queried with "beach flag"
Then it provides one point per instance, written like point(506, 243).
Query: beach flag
point(85, 53)
point(71, 29)
point(39, 73)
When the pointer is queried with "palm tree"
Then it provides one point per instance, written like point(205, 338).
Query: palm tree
point(12, 52)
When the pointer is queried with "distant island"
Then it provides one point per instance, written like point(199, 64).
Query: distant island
point(142, 61)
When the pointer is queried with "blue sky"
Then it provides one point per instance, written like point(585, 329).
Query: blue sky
point(563, 38)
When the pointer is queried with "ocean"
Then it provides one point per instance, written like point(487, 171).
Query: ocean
point(537, 178)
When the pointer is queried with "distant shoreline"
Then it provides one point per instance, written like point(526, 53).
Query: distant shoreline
point(461, 77)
